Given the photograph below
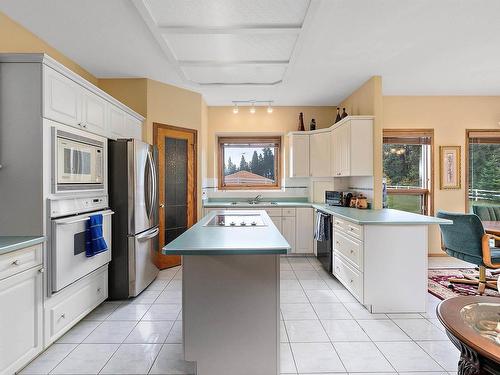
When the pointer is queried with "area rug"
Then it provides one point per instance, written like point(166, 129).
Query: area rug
point(439, 285)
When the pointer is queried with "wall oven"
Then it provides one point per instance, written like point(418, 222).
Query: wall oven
point(79, 162)
point(67, 260)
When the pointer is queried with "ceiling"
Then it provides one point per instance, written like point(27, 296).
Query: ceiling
point(294, 52)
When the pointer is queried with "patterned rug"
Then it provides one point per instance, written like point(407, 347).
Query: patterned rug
point(439, 285)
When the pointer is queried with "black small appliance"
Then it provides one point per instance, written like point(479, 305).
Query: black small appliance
point(338, 198)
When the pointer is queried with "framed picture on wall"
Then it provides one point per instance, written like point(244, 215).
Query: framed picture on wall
point(449, 167)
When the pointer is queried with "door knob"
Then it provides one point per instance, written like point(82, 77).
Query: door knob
point(162, 205)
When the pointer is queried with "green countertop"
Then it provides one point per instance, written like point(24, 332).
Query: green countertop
point(384, 216)
point(12, 243)
point(213, 240)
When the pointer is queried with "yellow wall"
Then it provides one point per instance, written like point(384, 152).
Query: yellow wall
point(449, 116)
point(130, 91)
point(222, 120)
point(16, 39)
point(367, 100)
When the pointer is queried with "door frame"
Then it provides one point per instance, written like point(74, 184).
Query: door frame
point(194, 132)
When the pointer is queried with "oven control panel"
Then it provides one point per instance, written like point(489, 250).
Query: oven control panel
point(72, 206)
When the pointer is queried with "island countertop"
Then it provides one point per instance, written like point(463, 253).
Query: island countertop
point(201, 239)
point(12, 243)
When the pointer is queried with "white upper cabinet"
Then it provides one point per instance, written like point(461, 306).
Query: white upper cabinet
point(352, 148)
point(116, 123)
point(299, 155)
point(70, 100)
point(61, 100)
point(319, 155)
point(94, 111)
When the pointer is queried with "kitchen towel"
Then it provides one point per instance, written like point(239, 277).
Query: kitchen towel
point(94, 241)
point(322, 230)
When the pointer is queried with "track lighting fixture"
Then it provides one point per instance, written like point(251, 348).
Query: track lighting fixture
point(252, 103)
point(235, 109)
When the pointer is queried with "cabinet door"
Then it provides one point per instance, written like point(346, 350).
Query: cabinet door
point(94, 113)
point(61, 99)
point(116, 123)
point(20, 319)
point(320, 159)
point(345, 153)
point(288, 231)
point(277, 221)
point(133, 127)
point(299, 155)
point(304, 229)
point(335, 152)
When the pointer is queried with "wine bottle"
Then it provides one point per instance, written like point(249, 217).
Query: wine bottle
point(344, 113)
point(301, 122)
point(312, 125)
point(338, 115)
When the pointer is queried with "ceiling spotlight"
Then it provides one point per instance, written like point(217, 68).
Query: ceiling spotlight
point(269, 108)
point(252, 109)
point(235, 109)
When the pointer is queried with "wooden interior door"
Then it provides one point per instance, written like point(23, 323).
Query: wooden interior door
point(177, 185)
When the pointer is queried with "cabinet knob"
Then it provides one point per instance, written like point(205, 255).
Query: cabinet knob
point(352, 251)
point(41, 270)
point(98, 290)
point(352, 281)
point(63, 316)
point(16, 262)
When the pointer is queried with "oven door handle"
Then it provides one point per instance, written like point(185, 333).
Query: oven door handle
point(148, 235)
point(106, 213)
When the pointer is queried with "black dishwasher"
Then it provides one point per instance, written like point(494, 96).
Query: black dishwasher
point(324, 243)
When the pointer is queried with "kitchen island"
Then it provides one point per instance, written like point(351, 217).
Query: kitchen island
point(231, 292)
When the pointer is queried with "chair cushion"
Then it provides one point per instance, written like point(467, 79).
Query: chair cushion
point(471, 258)
point(495, 255)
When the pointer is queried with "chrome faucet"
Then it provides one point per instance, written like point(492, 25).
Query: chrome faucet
point(255, 200)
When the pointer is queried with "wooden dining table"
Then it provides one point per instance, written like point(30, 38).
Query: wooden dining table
point(492, 227)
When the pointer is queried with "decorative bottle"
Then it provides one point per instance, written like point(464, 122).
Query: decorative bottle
point(344, 113)
point(338, 118)
point(301, 122)
point(312, 125)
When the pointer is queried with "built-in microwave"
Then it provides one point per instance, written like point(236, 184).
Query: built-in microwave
point(79, 162)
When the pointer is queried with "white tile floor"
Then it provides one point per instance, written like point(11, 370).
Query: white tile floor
point(323, 331)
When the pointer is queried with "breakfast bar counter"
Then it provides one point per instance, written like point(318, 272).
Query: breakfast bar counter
point(231, 292)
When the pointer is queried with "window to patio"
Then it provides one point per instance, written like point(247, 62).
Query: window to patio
point(407, 163)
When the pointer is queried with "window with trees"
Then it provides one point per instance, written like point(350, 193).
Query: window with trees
point(249, 163)
point(407, 161)
point(483, 172)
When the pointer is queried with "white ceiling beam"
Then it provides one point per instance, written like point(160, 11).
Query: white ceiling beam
point(231, 63)
point(251, 30)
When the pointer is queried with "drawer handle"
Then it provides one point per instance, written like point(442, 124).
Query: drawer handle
point(337, 242)
point(351, 229)
point(16, 262)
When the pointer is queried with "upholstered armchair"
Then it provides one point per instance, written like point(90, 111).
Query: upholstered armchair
point(487, 213)
point(465, 239)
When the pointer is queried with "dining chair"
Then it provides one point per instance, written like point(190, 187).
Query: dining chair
point(465, 239)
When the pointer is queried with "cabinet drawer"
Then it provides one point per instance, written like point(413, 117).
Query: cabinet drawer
point(338, 223)
point(77, 304)
point(349, 247)
point(288, 211)
point(354, 230)
point(351, 278)
point(20, 260)
point(273, 212)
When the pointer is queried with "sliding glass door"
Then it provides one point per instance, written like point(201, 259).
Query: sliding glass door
point(483, 160)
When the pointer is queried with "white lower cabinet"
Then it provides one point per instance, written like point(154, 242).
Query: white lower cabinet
point(288, 231)
point(304, 242)
point(277, 222)
point(20, 319)
point(65, 309)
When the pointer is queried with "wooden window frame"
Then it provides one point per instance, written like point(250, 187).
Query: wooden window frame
point(486, 133)
point(427, 194)
point(245, 140)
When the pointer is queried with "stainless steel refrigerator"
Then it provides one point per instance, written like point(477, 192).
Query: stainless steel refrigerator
point(133, 195)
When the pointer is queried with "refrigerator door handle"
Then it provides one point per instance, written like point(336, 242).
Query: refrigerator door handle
point(147, 187)
point(152, 186)
point(154, 203)
point(148, 235)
